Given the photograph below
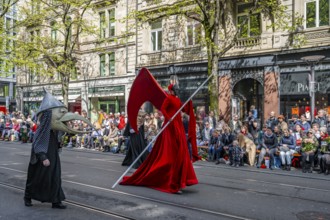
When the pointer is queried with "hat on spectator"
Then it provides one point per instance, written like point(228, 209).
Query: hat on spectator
point(311, 131)
point(280, 116)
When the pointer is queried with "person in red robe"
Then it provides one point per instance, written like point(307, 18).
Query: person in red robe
point(168, 168)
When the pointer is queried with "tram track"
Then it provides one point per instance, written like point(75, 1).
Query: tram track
point(79, 205)
point(158, 201)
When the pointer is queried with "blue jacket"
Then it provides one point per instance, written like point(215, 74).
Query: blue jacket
point(290, 141)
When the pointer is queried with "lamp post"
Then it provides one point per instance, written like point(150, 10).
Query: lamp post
point(312, 61)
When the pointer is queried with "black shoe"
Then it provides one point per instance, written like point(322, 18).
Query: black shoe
point(217, 162)
point(326, 172)
point(320, 171)
point(284, 167)
point(310, 170)
point(271, 168)
point(27, 202)
point(304, 170)
point(58, 205)
point(288, 168)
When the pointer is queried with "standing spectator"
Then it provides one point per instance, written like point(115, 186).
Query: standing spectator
point(287, 148)
point(271, 121)
point(254, 131)
point(254, 111)
point(328, 124)
point(293, 122)
point(235, 125)
point(281, 123)
point(305, 124)
point(220, 123)
point(308, 149)
point(321, 119)
point(269, 146)
point(213, 145)
point(211, 120)
point(122, 123)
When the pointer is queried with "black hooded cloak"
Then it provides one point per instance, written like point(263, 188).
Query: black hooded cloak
point(44, 183)
point(136, 145)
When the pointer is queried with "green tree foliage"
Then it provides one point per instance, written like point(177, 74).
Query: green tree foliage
point(49, 41)
point(221, 28)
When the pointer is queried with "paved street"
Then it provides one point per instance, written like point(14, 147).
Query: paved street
point(223, 193)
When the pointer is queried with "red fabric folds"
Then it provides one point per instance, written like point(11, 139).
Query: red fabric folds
point(168, 167)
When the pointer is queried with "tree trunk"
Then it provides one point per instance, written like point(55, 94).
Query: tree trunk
point(65, 88)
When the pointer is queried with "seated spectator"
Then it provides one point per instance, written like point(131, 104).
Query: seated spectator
point(112, 138)
point(269, 146)
point(206, 134)
point(287, 148)
point(305, 124)
point(7, 131)
point(245, 132)
point(309, 146)
point(248, 146)
point(2, 125)
point(24, 131)
point(237, 154)
point(226, 141)
point(32, 131)
point(220, 123)
point(298, 136)
point(213, 145)
point(324, 151)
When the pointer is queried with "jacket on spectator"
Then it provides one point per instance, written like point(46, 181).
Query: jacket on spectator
point(289, 141)
point(271, 122)
point(269, 142)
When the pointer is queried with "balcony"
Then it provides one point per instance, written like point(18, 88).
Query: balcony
point(248, 42)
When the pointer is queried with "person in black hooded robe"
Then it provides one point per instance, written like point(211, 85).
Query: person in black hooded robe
point(136, 143)
point(44, 182)
point(44, 173)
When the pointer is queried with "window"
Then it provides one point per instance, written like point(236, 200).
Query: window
point(193, 32)
point(251, 25)
point(112, 23)
point(53, 32)
point(156, 36)
point(112, 63)
point(317, 13)
point(102, 25)
point(102, 65)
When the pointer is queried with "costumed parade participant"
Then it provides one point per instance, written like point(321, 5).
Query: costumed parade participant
point(136, 143)
point(168, 168)
point(44, 172)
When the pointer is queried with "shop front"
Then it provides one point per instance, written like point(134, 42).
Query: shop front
point(294, 92)
point(107, 98)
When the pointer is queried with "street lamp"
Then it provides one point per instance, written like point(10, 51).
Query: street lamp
point(312, 60)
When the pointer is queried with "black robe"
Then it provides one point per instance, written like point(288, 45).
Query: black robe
point(136, 145)
point(44, 183)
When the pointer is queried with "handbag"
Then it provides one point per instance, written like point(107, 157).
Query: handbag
point(284, 148)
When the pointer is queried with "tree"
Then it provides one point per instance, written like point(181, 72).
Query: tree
point(221, 31)
point(49, 43)
point(7, 30)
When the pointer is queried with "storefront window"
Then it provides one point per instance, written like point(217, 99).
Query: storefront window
point(294, 90)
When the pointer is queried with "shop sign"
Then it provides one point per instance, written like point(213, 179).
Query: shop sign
point(299, 84)
point(295, 111)
point(109, 89)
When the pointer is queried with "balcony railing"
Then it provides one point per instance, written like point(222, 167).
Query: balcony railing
point(248, 42)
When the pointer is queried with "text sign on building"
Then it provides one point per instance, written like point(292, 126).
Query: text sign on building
point(299, 84)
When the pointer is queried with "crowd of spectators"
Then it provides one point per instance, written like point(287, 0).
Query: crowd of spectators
point(271, 145)
point(235, 142)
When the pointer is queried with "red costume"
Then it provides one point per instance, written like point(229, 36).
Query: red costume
point(168, 167)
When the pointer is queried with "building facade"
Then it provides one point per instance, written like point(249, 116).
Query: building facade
point(263, 68)
point(8, 71)
point(105, 67)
